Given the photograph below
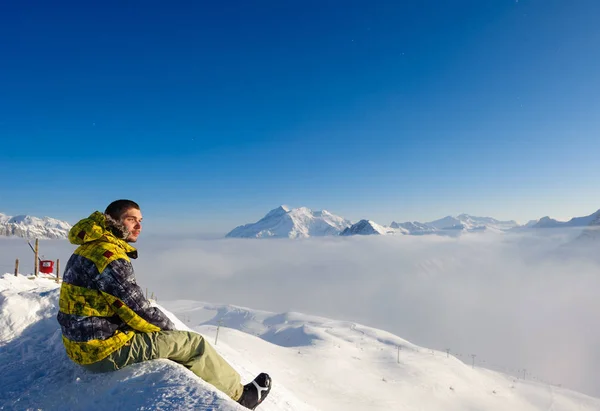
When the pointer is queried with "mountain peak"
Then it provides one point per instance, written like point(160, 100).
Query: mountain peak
point(366, 227)
point(279, 211)
point(285, 222)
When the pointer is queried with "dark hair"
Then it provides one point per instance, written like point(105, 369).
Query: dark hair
point(118, 207)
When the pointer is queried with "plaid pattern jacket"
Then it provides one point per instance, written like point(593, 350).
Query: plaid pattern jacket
point(101, 306)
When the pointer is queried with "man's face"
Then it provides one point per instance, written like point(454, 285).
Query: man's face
point(132, 219)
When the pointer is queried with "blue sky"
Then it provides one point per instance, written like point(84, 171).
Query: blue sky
point(211, 115)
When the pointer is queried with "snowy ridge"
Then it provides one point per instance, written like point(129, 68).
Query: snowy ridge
point(33, 227)
point(471, 223)
point(367, 227)
point(283, 222)
point(592, 231)
point(414, 228)
point(316, 364)
point(547, 222)
point(449, 226)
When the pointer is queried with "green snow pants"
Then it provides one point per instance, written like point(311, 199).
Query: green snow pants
point(186, 348)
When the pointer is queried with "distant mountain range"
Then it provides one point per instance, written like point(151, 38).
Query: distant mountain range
point(285, 222)
point(33, 227)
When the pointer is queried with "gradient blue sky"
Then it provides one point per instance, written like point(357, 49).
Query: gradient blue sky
point(211, 114)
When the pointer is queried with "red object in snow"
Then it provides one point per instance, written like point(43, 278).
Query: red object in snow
point(47, 266)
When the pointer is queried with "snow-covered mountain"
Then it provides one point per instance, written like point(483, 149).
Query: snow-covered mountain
point(413, 228)
point(33, 227)
point(283, 222)
point(592, 231)
point(455, 225)
point(302, 222)
point(316, 364)
point(471, 223)
point(547, 222)
point(367, 227)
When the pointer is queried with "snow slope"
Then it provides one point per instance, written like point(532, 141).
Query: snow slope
point(283, 222)
point(316, 364)
point(33, 227)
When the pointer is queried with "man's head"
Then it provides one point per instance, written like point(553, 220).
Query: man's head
point(126, 219)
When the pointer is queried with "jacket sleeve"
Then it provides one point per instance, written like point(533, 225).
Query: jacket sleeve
point(118, 285)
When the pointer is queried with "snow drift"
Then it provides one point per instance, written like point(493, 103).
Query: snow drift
point(316, 364)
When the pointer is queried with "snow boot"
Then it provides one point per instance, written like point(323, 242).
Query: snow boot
point(256, 391)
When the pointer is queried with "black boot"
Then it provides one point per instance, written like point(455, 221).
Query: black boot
point(256, 391)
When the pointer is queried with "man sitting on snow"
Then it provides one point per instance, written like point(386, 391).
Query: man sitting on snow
point(106, 321)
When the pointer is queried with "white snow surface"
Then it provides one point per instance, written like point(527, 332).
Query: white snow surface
point(283, 222)
point(316, 364)
point(33, 227)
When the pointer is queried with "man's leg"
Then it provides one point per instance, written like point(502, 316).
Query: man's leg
point(186, 348)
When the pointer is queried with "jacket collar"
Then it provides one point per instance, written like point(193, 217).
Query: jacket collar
point(94, 228)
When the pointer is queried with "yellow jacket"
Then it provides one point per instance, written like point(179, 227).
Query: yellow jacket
point(101, 306)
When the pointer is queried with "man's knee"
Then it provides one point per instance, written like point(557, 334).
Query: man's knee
point(179, 336)
point(178, 344)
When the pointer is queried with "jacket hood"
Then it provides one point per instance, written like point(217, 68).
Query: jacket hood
point(99, 227)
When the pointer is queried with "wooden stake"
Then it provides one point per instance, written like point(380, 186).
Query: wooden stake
point(58, 270)
point(16, 267)
point(218, 326)
point(36, 267)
